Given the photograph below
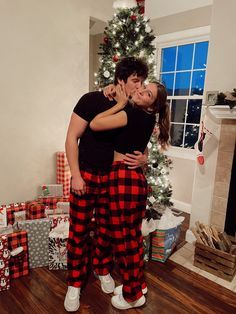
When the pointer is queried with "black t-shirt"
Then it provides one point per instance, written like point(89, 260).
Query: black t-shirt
point(96, 149)
point(136, 134)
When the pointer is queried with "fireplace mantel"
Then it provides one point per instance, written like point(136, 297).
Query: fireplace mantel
point(222, 112)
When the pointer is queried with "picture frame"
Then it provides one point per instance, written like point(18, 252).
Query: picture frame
point(211, 98)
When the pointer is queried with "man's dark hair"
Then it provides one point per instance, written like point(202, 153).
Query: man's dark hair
point(128, 66)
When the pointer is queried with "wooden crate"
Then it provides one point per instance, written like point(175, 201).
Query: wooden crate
point(214, 261)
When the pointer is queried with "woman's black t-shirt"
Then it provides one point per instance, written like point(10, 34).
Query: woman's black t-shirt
point(136, 134)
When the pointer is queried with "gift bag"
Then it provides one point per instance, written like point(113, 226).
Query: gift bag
point(18, 246)
point(58, 245)
point(63, 172)
point(4, 264)
point(163, 243)
point(38, 231)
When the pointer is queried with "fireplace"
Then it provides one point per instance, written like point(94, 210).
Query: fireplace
point(230, 221)
point(223, 210)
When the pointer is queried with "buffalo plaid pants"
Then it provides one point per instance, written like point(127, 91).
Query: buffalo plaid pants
point(94, 202)
point(128, 194)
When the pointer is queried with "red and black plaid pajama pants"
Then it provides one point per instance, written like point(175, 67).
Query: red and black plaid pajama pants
point(128, 194)
point(82, 209)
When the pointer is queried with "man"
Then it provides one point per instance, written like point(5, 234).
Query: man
point(89, 184)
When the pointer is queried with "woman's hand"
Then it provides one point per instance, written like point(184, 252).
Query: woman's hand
point(109, 91)
point(121, 96)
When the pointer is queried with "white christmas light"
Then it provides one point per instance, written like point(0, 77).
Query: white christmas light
point(96, 82)
point(95, 74)
point(137, 29)
point(114, 32)
point(148, 29)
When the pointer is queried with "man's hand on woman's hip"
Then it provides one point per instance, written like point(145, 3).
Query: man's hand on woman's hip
point(135, 160)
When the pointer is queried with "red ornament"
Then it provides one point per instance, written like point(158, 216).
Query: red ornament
point(149, 189)
point(106, 39)
point(141, 10)
point(115, 58)
point(133, 17)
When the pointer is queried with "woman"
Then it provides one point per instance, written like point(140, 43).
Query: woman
point(134, 120)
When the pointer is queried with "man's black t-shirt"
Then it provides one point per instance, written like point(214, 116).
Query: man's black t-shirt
point(136, 134)
point(96, 149)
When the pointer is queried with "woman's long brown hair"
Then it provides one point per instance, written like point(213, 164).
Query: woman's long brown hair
point(161, 107)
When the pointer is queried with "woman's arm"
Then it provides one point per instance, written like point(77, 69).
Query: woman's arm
point(114, 117)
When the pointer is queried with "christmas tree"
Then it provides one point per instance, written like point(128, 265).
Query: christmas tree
point(127, 34)
point(157, 172)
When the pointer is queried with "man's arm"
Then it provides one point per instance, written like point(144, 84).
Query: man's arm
point(137, 159)
point(76, 128)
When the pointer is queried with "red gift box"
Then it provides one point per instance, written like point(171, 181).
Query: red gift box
point(35, 210)
point(18, 264)
point(4, 264)
point(63, 172)
point(51, 202)
point(11, 209)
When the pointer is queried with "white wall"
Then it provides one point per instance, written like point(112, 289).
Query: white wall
point(188, 24)
point(220, 76)
point(159, 8)
point(44, 62)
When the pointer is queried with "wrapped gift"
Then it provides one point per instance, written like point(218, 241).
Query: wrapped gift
point(35, 210)
point(4, 264)
point(18, 264)
point(64, 207)
point(19, 216)
point(58, 245)
point(51, 202)
point(163, 243)
point(38, 231)
point(3, 216)
point(6, 230)
point(11, 209)
point(51, 190)
point(56, 220)
point(63, 172)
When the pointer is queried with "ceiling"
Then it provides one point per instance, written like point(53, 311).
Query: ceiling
point(156, 9)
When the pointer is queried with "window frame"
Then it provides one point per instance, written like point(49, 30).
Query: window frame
point(189, 36)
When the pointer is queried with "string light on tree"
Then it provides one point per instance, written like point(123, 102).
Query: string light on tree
point(125, 35)
point(157, 172)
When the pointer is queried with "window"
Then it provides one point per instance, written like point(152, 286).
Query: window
point(182, 70)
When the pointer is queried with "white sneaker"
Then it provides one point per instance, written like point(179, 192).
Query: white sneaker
point(120, 303)
point(71, 302)
point(107, 283)
point(118, 290)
